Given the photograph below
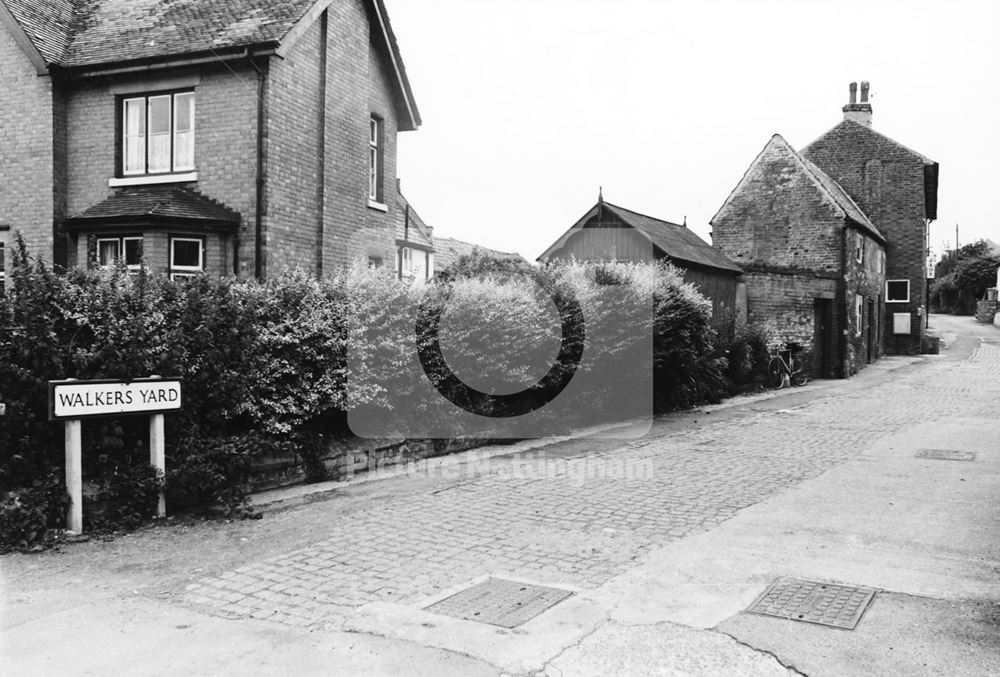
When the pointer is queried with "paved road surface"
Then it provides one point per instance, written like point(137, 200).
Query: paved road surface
point(664, 541)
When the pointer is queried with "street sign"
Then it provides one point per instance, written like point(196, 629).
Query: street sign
point(83, 399)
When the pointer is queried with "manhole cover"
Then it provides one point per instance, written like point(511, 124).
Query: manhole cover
point(500, 602)
point(838, 606)
point(947, 454)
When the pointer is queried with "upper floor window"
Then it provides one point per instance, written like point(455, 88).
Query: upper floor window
point(375, 155)
point(157, 133)
point(897, 291)
point(859, 247)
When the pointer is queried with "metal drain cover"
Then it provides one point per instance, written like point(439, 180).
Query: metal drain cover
point(947, 454)
point(498, 601)
point(838, 606)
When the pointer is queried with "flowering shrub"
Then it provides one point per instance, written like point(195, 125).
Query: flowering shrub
point(266, 365)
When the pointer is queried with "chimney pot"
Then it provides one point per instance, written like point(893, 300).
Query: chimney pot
point(854, 92)
point(864, 91)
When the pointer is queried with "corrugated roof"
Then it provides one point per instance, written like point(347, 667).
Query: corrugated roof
point(676, 241)
point(157, 204)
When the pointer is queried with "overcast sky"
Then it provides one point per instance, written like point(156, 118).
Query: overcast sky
point(530, 105)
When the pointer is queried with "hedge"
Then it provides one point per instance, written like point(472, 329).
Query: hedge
point(278, 364)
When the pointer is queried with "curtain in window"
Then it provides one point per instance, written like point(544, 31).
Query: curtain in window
point(159, 133)
point(183, 131)
point(135, 136)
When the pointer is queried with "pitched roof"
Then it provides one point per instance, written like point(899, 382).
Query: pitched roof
point(447, 251)
point(858, 128)
point(410, 227)
point(107, 33)
point(826, 185)
point(142, 205)
point(676, 241)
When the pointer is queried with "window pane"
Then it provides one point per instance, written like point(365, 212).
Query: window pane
point(373, 132)
point(186, 253)
point(2, 262)
point(373, 174)
point(184, 131)
point(159, 134)
point(133, 251)
point(107, 252)
point(135, 136)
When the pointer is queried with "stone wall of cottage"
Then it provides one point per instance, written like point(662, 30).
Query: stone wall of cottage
point(788, 237)
point(887, 182)
point(28, 198)
point(864, 283)
point(318, 215)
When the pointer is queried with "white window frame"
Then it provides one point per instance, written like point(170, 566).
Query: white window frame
point(375, 127)
point(146, 99)
point(120, 243)
point(859, 310)
point(407, 263)
point(181, 272)
point(888, 299)
point(118, 250)
point(859, 248)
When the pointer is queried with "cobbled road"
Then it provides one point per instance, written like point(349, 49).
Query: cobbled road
point(579, 514)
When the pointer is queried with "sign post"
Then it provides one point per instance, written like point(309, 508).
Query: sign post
point(72, 400)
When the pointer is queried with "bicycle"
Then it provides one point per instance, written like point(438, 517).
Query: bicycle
point(781, 371)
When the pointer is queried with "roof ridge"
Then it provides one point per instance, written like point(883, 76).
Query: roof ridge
point(646, 216)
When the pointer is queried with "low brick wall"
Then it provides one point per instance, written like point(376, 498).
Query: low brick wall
point(986, 311)
point(348, 457)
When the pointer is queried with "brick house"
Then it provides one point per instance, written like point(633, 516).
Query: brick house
point(608, 232)
point(414, 243)
point(229, 136)
point(834, 242)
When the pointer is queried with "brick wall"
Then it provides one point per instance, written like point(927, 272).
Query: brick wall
point(778, 219)
point(27, 193)
point(357, 86)
point(887, 182)
point(225, 148)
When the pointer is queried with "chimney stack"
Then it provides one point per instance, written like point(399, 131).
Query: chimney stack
point(859, 112)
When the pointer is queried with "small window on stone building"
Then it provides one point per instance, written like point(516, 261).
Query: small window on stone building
point(897, 291)
point(859, 247)
point(859, 317)
point(374, 261)
point(881, 261)
point(187, 257)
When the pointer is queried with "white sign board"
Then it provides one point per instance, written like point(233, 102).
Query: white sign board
point(81, 399)
point(900, 323)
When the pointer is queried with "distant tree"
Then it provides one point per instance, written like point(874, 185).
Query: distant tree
point(962, 276)
point(480, 263)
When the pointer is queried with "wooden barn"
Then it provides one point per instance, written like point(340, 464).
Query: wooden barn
point(608, 232)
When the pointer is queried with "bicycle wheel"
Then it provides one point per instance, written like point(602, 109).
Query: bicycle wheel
point(799, 375)
point(775, 373)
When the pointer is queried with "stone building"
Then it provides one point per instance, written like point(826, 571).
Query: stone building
point(228, 136)
point(608, 232)
point(833, 240)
